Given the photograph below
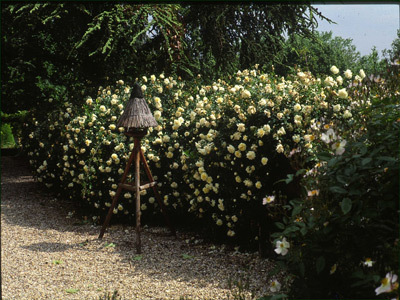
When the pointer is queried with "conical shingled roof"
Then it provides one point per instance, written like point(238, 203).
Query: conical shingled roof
point(137, 113)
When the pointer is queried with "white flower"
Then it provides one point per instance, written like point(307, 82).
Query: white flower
point(362, 74)
point(264, 161)
point(334, 70)
point(347, 114)
point(338, 147)
point(339, 80)
point(282, 247)
point(157, 115)
point(231, 149)
point(268, 200)
point(388, 284)
point(245, 94)
point(103, 108)
point(89, 101)
point(267, 128)
point(275, 286)
point(242, 146)
point(368, 262)
point(329, 81)
point(279, 148)
point(336, 108)
point(251, 110)
point(231, 233)
point(241, 127)
point(343, 94)
point(251, 155)
point(281, 131)
point(297, 107)
point(312, 193)
point(260, 132)
point(348, 74)
point(329, 136)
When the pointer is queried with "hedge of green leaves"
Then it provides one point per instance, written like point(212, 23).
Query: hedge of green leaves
point(218, 150)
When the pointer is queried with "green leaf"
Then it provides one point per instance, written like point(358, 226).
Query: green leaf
point(337, 189)
point(387, 158)
point(72, 291)
point(296, 210)
point(346, 205)
point(137, 257)
point(107, 245)
point(289, 178)
point(325, 156)
point(366, 160)
point(333, 161)
point(320, 264)
point(303, 231)
point(290, 229)
point(280, 225)
point(57, 262)
point(187, 256)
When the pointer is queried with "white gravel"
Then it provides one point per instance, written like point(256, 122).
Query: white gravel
point(46, 255)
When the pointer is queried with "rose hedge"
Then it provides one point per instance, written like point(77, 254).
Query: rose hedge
point(218, 150)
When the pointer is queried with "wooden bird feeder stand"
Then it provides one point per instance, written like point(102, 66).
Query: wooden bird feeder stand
point(137, 118)
point(137, 157)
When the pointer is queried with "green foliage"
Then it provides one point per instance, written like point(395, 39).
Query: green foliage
point(11, 127)
point(54, 51)
point(7, 138)
point(72, 291)
point(353, 217)
point(218, 151)
point(225, 37)
point(318, 53)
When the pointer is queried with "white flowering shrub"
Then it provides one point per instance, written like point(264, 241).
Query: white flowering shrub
point(217, 153)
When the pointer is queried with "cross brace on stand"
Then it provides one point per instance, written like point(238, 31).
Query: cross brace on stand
point(137, 156)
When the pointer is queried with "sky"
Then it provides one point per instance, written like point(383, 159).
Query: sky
point(367, 25)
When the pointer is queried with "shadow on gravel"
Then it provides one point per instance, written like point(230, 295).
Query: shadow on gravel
point(24, 202)
point(164, 258)
point(48, 247)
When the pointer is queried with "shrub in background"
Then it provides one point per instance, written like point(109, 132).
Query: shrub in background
point(217, 153)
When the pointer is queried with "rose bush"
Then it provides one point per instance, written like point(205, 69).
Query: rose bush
point(218, 150)
point(343, 232)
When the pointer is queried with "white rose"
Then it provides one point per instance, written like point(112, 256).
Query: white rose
point(334, 70)
point(348, 74)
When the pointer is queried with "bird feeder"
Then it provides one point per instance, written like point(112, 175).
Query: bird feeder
point(136, 119)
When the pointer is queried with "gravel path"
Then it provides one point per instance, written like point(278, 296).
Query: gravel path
point(45, 254)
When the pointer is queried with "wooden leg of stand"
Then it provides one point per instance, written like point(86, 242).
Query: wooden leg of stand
point(115, 199)
point(137, 188)
point(158, 196)
point(110, 212)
